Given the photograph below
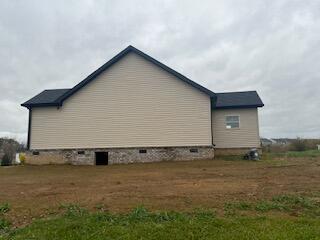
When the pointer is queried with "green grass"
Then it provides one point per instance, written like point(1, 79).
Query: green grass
point(4, 223)
point(294, 154)
point(141, 224)
point(275, 155)
point(308, 153)
point(76, 223)
point(4, 208)
point(299, 205)
point(73, 210)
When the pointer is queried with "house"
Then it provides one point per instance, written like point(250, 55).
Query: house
point(275, 141)
point(266, 142)
point(282, 141)
point(136, 109)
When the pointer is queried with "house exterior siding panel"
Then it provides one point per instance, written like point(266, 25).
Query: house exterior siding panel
point(247, 136)
point(134, 103)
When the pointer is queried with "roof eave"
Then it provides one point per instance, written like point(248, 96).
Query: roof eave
point(40, 105)
point(240, 106)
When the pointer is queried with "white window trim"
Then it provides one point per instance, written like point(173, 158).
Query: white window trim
point(232, 115)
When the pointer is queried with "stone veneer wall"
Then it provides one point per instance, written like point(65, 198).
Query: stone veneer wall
point(119, 155)
point(233, 151)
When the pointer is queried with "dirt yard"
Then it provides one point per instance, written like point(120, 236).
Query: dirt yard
point(37, 191)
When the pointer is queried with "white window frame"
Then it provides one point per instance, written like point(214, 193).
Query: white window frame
point(231, 115)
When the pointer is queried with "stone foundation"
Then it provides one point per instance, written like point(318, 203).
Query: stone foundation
point(44, 157)
point(233, 151)
point(119, 155)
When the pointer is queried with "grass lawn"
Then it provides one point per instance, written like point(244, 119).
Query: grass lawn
point(77, 223)
point(296, 154)
point(276, 198)
point(170, 226)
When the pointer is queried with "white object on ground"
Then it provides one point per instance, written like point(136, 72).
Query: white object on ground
point(17, 160)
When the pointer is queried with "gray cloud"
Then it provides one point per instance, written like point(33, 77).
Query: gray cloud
point(269, 46)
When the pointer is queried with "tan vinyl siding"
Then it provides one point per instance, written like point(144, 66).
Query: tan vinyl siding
point(134, 103)
point(245, 136)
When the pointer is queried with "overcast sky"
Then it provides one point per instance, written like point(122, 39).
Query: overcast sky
point(269, 46)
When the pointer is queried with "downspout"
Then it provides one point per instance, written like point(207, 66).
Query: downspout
point(212, 104)
point(29, 128)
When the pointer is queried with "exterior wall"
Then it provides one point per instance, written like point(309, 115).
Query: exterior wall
point(48, 157)
point(232, 151)
point(120, 155)
point(134, 103)
point(247, 136)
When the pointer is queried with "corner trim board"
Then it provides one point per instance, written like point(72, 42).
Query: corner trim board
point(211, 122)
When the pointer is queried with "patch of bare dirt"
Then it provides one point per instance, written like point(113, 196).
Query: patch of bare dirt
point(34, 191)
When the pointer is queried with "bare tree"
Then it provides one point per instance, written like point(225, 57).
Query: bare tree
point(9, 147)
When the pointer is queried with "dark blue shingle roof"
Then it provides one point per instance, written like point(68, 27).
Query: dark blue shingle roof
point(55, 97)
point(238, 100)
point(45, 98)
point(223, 100)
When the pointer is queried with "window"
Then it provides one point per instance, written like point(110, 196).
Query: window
point(232, 122)
point(194, 150)
point(142, 151)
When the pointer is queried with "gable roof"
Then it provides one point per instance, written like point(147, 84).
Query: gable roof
point(249, 99)
point(56, 97)
point(59, 101)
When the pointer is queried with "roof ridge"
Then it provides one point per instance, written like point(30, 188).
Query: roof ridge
point(55, 89)
point(237, 92)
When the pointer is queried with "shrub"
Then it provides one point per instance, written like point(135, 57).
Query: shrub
point(298, 145)
point(22, 158)
point(312, 144)
point(276, 148)
point(6, 160)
